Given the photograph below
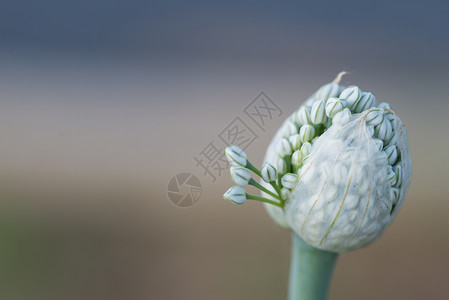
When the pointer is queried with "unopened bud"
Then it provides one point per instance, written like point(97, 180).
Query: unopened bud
point(366, 101)
point(391, 154)
point(284, 148)
point(395, 195)
point(268, 172)
point(297, 159)
point(240, 175)
point(235, 194)
point(303, 115)
point(384, 130)
point(285, 193)
point(334, 105)
point(295, 142)
point(236, 156)
point(384, 105)
point(318, 113)
point(281, 165)
point(352, 96)
point(306, 148)
point(290, 130)
point(375, 116)
point(327, 91)
point(398, 171)
point(289, 180)
point(342, 117)
point(306, 133)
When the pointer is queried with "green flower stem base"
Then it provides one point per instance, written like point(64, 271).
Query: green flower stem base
point(310, 271)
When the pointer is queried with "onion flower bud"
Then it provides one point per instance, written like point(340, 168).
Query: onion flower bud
point(295, 141)
point(268, 172)
point(236, 156)
point(334, 105)
point(284, 148)
point(306, 133)
point(236, 195)
point(240, 175)
point(302, 116)
point(352, 171)
point(289, 180)
point(352, 96)
point(318, 113)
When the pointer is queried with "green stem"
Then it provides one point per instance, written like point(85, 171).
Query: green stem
point(252, 168)
point(277, 188)
point(310, 271)
point(262, 199)
point(262, 188)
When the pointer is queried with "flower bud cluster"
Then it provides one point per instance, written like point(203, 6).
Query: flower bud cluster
point(297, 150)
point(336, 172)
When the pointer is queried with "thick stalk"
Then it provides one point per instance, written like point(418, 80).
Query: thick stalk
point(310, 271)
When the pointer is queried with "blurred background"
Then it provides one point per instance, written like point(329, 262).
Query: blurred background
point(103, 102)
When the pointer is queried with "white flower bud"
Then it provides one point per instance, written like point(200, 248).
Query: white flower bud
point(297, 159)
point(327, 91)
point(290, 130)
point(334, 105)
point(384, 105)
point(281, 165)
point(284, 148)
point(306, 133)
point(306, 148)
point(389, 115)
point(374, 116)
point(352, 96)
point(366, 101)
point(289, 180)
point(394, 195)
point(318, 113)
point(236, 156)
point(295, 142)
point(379, 144)
point(342, 117)
point(391, 175)
point(268, 173)
point(303, 115)
point(384, 130)
point(240, 175)
point(235, 194)
point(391, 153)
point(399, 174)
point(392, 140)
point(285, 193)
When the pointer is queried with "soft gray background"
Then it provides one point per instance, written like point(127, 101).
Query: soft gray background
point(102, 102)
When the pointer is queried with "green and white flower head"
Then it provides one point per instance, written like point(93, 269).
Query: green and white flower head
point(343, 183)
point(236, 195)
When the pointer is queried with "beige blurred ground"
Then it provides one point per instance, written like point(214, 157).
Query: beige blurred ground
point(86, 159)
